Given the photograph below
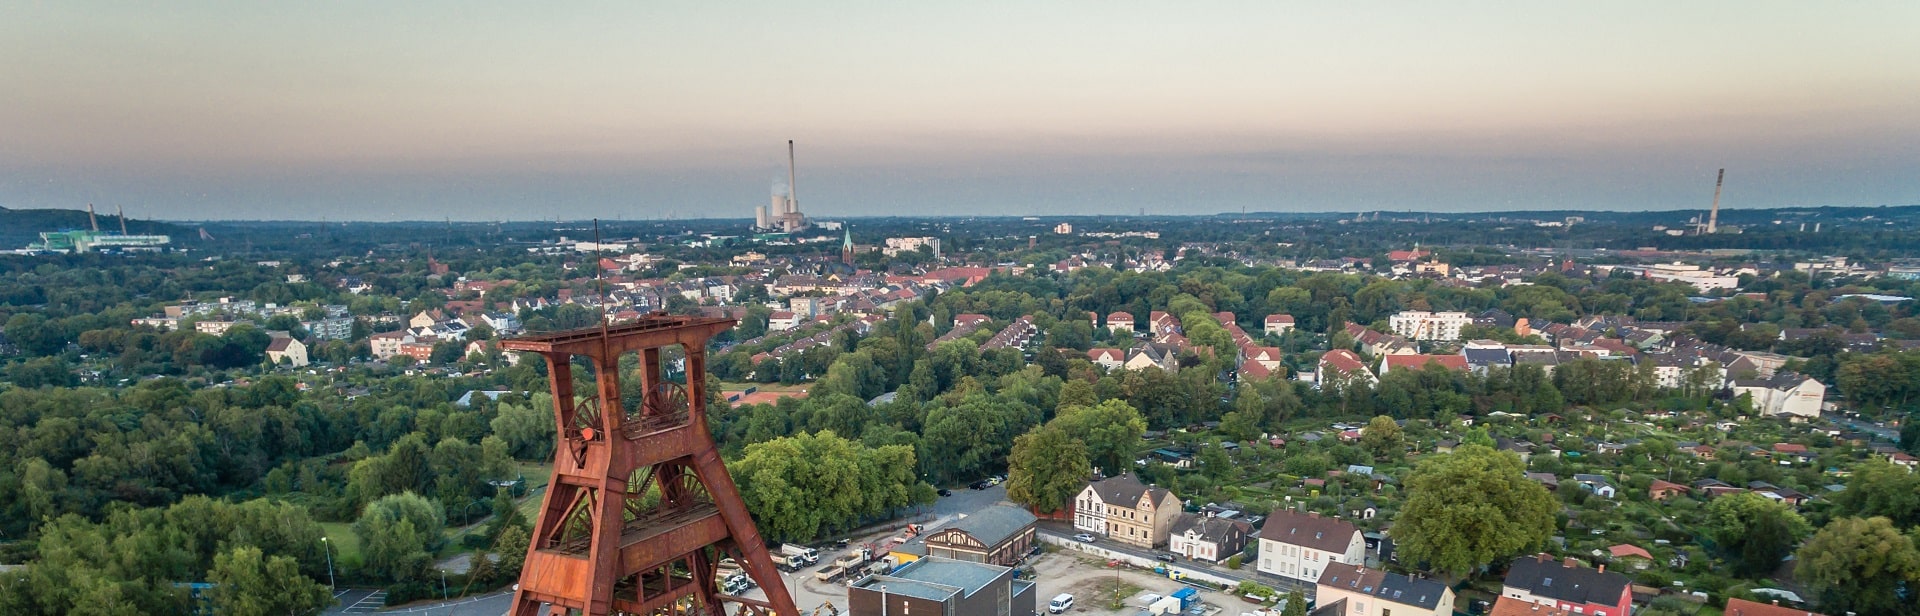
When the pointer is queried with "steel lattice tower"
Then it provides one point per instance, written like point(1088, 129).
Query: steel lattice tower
point(640, 510)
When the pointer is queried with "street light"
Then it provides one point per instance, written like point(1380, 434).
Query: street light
point(325, 545)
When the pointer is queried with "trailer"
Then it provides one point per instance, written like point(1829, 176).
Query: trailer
point(805, 554)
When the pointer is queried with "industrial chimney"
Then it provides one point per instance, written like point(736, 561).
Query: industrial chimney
point(95, 222)
point(1713, 218)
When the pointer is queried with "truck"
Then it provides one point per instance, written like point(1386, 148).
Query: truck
point(829, 573)
point(806, 554)
point(853, 558)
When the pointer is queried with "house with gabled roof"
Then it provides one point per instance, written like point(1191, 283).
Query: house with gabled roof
point(1208, 538)
point(1278, 324)
point(1299, 546)
point(1126, 510)
point(997, 535)
point(1568, 585)
point(1360, 591)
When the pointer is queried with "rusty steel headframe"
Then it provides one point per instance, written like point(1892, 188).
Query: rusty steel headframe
point(640, 512)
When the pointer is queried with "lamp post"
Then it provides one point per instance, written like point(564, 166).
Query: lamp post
point(328, 546)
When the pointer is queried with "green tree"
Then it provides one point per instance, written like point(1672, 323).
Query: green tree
point(247, 584)
point(1383, 438)
point(1046, 469)
point(1879, 488)
point(1859, 565)
point(512, 548)
point(1753, 532)
point(1111, 431)
point(398, 535)
point(1470, 508)
point(1296, 604)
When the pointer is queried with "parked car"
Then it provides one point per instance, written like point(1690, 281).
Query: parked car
point(980, 485)
point(1166, 557)
point(1060, 603)
point(1084, 537)
point(946, 492)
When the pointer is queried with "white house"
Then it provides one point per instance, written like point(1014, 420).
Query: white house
point(1299, 546)
point(288, 351)
point(783, 320)
point(1208, 538)
point(1279, 324)
point(1127, 511)
point(1110, 359)
point(1120, 322)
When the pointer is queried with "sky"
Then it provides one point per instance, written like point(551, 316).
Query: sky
point(424, 110)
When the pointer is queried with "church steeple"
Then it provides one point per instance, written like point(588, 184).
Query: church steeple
point(846, 247)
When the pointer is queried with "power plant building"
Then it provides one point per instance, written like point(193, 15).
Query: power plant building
point(782, 214)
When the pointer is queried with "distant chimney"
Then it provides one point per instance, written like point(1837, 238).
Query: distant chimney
point(1603, 567)
point(1313, 514)
point(1543, 557)
point(1571, 563)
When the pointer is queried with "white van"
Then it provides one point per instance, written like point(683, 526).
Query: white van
point(1061, 602)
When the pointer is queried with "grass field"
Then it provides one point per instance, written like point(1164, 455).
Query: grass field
point(346, 545)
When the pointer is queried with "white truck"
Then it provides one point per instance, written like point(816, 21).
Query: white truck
point(800, 555)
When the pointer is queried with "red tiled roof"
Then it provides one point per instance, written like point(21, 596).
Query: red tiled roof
point(1343, 360)
point(1743, 607)
point(1451, 362)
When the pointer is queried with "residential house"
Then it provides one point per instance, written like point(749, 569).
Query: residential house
point(1152, 355)
point(997, 535)
point(1419, 362)
point(1279, 324)
point(1568, 585)
point(1127, 511)
point(286, 350)
point(1372, 592)
point(783, 320)
point(1299, 546)
point(1341, 366)
point(1110, 359)
point(1120, 322)
point(1208, 538)
point(385, 345)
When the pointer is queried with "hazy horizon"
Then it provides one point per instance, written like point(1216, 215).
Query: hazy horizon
point(435, 110)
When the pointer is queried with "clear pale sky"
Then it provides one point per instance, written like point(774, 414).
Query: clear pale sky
point(479, 111)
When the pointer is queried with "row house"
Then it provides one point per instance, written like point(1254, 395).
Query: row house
point(1419, 362)
point(1126, 510)
point(1015, 336)
point(963, 324)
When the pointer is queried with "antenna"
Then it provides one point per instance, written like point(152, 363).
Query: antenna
point(1713, 219)
point(123, 218)
point(91, 220)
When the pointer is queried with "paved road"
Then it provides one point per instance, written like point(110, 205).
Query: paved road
point(1064, 531)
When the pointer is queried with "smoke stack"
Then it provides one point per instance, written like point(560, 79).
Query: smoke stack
point(123, 218)
point(793, 189)
point(1713, 219)
point(95, 222)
